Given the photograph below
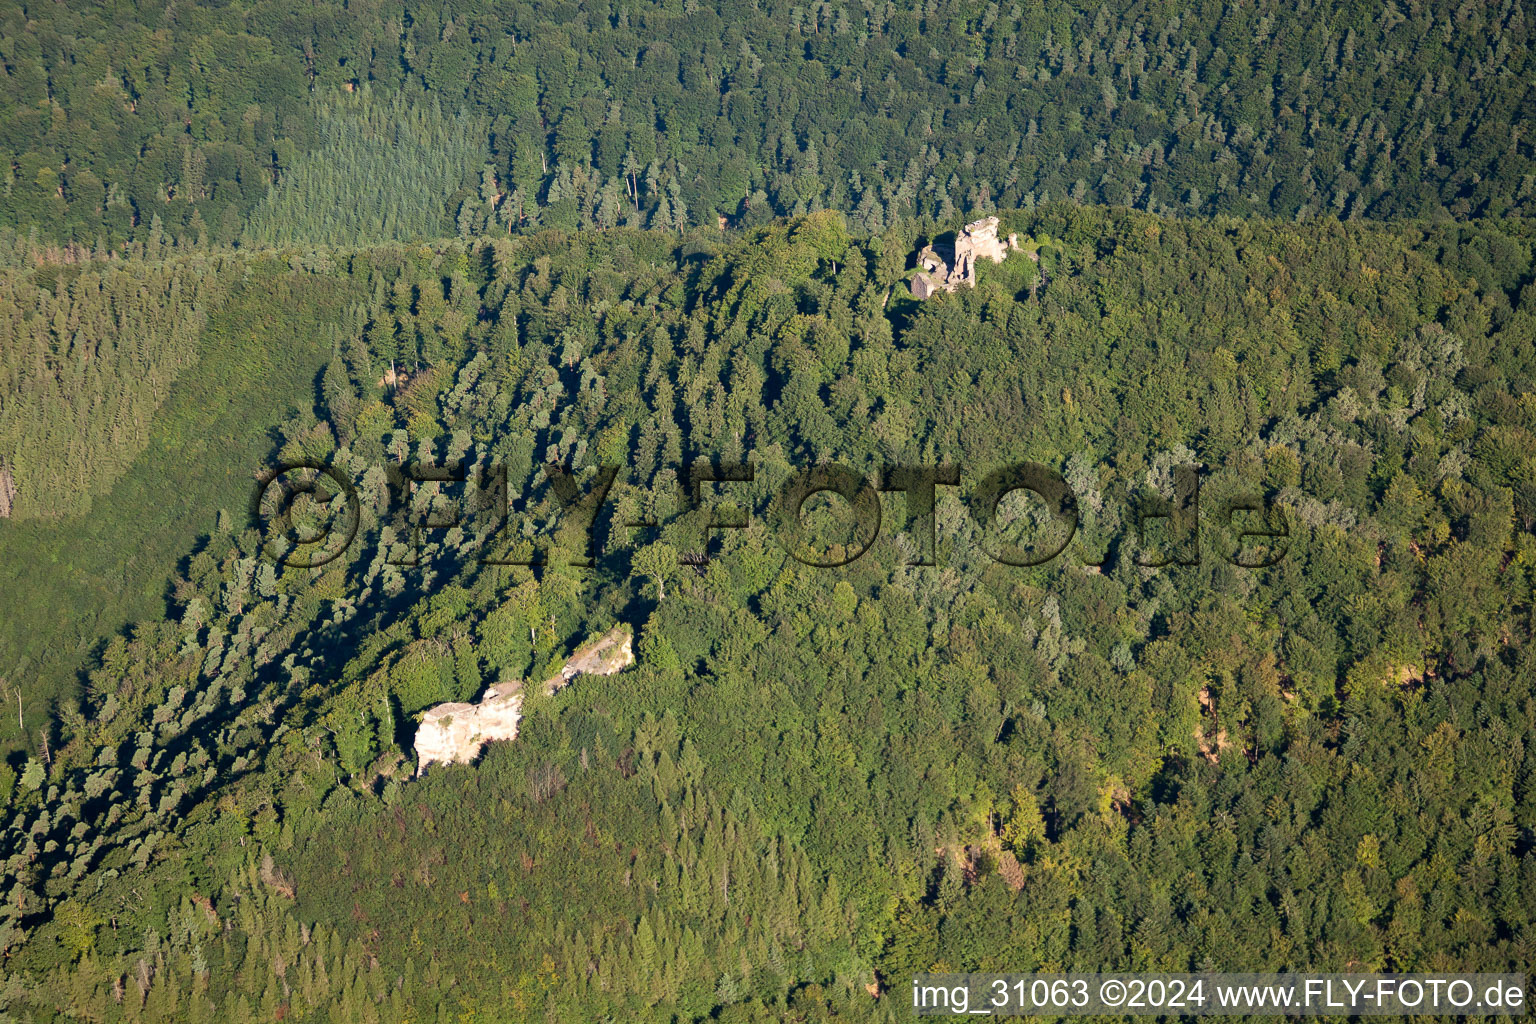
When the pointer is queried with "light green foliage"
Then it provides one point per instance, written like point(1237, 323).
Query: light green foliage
point(815, 779)
point(384, 172)
point(87, 356)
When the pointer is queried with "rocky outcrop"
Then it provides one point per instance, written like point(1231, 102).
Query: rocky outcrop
point(613, 652)
point(977, 240)
point(455, 732)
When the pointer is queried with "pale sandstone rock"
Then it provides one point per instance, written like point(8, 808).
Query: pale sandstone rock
point(456, 732)
point(977, 240)
point(613, 652)
point(981, 236)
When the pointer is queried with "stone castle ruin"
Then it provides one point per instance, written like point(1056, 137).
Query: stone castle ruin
point(945, 269)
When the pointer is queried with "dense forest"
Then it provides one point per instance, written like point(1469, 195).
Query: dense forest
point(551, 309)
point(125, 120)
point(70, 339)
point(815, 781)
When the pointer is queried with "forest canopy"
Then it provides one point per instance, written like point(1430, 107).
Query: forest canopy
point(545, 305)
point(1321, 763)
point(116, 119)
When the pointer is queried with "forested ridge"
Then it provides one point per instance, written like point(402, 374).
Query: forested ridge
point(119, 120)
point(815, 782)
point(1283, 250)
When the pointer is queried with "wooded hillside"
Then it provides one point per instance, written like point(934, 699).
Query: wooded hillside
point(1320, 763)
point(117, 118)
